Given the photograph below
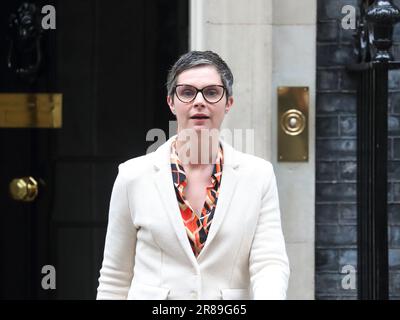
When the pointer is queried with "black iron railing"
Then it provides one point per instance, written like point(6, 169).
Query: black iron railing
point(373, 44)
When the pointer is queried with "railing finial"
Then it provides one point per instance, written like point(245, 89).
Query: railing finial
point(381, 18)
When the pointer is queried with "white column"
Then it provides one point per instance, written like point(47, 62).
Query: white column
point(294, 64)
point(241, 32)
point(269, 43)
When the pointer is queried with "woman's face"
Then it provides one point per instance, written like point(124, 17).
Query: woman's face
point(199, 77)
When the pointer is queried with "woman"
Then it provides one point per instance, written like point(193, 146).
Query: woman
point(196, 219)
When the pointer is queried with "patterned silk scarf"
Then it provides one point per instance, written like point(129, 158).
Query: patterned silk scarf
point(197, 225)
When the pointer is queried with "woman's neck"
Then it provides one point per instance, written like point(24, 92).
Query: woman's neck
point(197, 151)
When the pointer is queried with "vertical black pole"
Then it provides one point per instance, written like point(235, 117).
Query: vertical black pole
point(372, 135)
point(372, 183)
point(380, 176)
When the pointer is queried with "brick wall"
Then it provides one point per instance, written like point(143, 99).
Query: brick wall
point(336, 207)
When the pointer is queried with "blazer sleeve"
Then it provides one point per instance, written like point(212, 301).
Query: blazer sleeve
point(269, 264)
point(119, 252)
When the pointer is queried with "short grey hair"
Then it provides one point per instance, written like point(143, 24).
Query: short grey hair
point(194, 59)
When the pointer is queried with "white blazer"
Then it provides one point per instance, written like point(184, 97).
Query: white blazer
point(147, 253)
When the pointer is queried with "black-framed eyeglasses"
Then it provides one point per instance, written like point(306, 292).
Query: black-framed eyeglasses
point(187, 93)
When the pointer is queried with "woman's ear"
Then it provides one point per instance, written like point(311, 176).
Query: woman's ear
point(171, 104)
point(229, 104)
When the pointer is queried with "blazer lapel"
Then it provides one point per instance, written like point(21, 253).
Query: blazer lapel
point(227, 188)
point(164, 184)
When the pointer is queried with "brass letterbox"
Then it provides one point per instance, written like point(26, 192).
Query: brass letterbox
point(30, 110)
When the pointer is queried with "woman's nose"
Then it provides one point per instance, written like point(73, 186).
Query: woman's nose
point(199, 99)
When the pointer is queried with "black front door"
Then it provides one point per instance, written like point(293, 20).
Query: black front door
point(109, 60)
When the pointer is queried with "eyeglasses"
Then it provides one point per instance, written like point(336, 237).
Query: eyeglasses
point(187, 93)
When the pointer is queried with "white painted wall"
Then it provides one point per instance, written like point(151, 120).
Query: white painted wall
point(270, 43)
